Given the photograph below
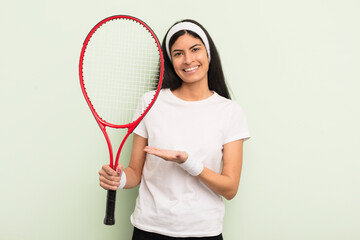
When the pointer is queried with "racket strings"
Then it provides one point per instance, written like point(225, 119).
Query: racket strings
point(121, 63)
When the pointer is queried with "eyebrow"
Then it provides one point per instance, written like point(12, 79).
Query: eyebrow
point(195, 45)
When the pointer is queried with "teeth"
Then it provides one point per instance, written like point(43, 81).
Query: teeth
point(190, 69)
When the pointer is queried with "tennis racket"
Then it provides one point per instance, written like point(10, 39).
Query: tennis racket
point(120, 60)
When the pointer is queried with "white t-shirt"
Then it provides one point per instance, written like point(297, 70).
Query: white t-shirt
point(171, 201)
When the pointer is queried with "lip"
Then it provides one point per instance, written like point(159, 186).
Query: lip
point(191, 69)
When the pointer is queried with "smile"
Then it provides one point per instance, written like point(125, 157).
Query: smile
point(191, 69)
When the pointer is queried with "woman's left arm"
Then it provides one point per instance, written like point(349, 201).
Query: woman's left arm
point(226, 184)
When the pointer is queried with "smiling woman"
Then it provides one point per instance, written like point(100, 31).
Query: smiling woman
point(190, 61)
point(187, 151)
point(216, 79)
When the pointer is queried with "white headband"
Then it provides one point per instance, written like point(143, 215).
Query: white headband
point(187, 26)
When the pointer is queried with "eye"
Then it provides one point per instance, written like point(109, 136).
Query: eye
point(176, 54)
point(195, 49)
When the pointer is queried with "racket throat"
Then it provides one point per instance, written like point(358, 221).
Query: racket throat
point(120, 148)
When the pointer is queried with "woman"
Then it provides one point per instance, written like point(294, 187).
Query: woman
point(187, 151)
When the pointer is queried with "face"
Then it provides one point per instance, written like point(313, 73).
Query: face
point(190, 60)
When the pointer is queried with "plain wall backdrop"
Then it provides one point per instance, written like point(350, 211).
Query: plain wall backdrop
point(292, 65)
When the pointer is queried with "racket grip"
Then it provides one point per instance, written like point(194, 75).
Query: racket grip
point(110, 208)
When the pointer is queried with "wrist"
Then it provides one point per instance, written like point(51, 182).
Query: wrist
point(192, 166)
point(122, 180)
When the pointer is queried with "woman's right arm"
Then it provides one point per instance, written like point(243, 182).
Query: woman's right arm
point(110, 179)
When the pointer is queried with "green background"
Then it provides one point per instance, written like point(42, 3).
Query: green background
point(292, 65)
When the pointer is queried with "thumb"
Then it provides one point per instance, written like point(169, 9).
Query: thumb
point(181, 155)
point(119, 169)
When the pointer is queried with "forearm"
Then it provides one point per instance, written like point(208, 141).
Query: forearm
point(223, 185)
point(226, 184)
point(134, 170)
point(132, 178)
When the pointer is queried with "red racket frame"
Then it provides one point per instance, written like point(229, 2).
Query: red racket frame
point(103, 124)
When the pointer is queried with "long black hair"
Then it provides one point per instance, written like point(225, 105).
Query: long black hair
point(216, 79)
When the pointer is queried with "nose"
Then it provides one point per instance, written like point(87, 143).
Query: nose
point(188, 58)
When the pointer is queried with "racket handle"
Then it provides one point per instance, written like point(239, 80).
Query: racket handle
point(110, 208)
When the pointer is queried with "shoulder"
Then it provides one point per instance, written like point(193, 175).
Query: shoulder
point(148, 96)
point(228, 104)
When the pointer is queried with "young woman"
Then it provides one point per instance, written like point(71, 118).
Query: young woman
point(187, 151)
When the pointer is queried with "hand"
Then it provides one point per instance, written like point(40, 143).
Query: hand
point(109, 178)
point(168, 155)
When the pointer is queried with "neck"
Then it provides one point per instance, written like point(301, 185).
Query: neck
point(193, 92)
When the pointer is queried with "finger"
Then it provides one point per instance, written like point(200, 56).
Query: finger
point(109, 182)
point(113, 181)
point(149, 149)
point(108, 187)
point(168, 155)
point(155, 151)
point(109, 171)
point(105, 175)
